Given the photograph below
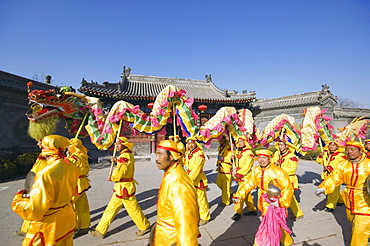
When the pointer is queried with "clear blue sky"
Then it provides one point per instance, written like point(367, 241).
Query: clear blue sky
point(276, 48)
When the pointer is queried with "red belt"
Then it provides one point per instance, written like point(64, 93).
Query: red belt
point(224, 173)
point(126, 180)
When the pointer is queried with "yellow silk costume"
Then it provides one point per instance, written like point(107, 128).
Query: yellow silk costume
point(178, 212)
point(355, 196)
point(37, 167)
point(224, 175)
point(123, 194)
point(244, 160)
point(49, 207)
point(289, 163)
point(330, 161)
point(78, 156)
point(260, 177)
point(194, 161)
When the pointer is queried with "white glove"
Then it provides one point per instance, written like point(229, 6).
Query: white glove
point(235, 200)
point(275, 203)
point(319, 191)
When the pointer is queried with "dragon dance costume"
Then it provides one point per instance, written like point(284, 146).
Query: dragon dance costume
point(260, 177)
point(288, 161)
point(244, 160)
point(123, 192)
point(78, 156)
point(330, 162)
point(356, 198)
point(177, 212)
point(194, 162)
point(49, 207)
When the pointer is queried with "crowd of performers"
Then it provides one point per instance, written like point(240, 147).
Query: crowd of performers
point(56, 209)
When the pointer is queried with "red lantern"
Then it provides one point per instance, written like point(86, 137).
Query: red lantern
point(29, 84)
point(202, 108)
point(150, 105)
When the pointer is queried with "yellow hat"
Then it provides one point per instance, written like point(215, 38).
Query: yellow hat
point(245, 141)
point(171, 146)
point(125, 142)
point(340, 147)
point(263, 152)
point(355, 144)
point(195, 140)
point(291, 146)
point(76, 147)
point(54, 145)
point(367, 140)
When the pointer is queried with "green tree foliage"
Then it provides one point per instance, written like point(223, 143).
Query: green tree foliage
point(25, 161)
point(7, 169)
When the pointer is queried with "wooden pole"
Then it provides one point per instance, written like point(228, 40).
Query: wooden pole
point(174, 121)
point(81, 125)
point(322, 151)
point(115, 146)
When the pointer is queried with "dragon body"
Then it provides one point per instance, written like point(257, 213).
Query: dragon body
point(47, 107)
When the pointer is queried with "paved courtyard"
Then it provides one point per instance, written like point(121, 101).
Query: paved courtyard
point(317, 228)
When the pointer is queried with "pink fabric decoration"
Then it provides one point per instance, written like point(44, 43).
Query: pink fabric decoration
point(269, 232)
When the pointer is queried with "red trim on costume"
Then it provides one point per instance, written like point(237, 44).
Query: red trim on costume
point(168, 148)
point(294, 159)
point(124, 194)
point(66, 235)
point(126, 180)
point(42, 238)
point(122, 160)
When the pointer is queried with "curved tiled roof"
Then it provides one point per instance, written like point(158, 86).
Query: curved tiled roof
point(148, 87)
point(14, 83)
point(304, 99)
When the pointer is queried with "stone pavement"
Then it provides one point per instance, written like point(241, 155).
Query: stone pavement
point(317, 228)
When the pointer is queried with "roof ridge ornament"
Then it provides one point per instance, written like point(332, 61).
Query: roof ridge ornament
point(208, 78)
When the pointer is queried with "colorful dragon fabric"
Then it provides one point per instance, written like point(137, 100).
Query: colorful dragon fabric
point(102, 124)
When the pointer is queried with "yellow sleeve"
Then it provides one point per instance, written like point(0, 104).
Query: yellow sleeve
point(320, 159)
point(121, 168)
point(250, 183)
point(290, 166)
point(334, 179)
point(196, 167)
point(40, 200)
point(247, 162)
point(227, 155)
point(286, 189)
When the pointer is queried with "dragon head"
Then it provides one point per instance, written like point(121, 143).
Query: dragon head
point(46, 107)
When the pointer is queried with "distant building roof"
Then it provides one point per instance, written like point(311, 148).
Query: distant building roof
point(15, 83)
point(316, 98)
point(148, 87)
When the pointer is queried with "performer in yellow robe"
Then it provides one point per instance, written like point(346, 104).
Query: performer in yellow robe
point(38, 166)
point(224, 168)
point(244, 161)
point(367, 147)
point(77, 154)
point(329, 159)
point(123, 192)
point(49, 206)
point(354, 173)
point(177, 212)
point(288, 161)
point(260, 177)
point(194, 161)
